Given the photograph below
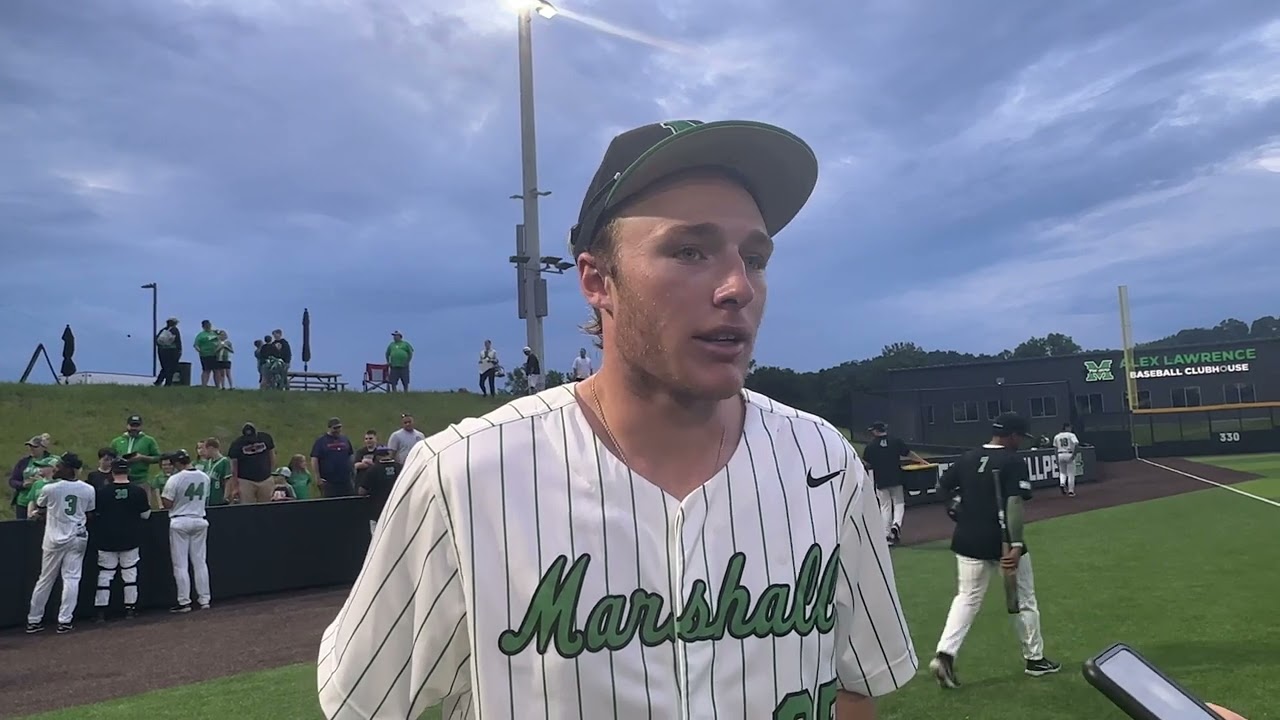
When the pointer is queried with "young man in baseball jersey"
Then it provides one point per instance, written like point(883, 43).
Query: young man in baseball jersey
point(118, 527)
point(184, 496)
point(655, 541)
point(1067, 446)
point(884, 456)
point(977, 544)
point(63, 505)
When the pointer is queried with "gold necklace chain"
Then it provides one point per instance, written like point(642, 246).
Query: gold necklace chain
point(595, 397)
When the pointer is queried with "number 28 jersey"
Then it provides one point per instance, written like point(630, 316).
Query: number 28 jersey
point(189, 492)
point(520, 570)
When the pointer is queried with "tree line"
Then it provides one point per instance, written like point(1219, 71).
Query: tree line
point(828, 393)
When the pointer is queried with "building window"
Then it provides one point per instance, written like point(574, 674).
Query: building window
point(1043, 407)
point(926, 414)
point(1239, 393)
point(964, 412)
point(995, 407)
point(1090, 404)
point(1184, 397)
point(1144, 400)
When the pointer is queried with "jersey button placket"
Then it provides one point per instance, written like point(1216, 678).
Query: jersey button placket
point(677, 606)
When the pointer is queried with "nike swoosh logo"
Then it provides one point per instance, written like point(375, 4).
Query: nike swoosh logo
point(821, 480)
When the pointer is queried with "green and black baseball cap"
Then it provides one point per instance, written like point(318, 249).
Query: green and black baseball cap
point(774, 165)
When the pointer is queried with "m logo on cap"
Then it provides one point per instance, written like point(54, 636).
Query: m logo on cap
point(678, 126)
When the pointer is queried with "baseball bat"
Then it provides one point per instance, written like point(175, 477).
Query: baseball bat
point(1010, 576)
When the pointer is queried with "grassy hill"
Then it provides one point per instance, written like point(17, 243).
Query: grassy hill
point(83, 418)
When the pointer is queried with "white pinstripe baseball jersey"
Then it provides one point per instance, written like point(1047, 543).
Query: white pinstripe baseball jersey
point(520, 570)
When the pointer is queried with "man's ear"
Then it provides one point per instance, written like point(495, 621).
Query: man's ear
point(593, 279)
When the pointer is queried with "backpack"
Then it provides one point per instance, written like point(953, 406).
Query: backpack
point(165, 338)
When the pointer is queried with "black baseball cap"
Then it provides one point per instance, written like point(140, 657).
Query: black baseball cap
point(71, 460)
point(133, 420)
point(776, 167)
point(119, 466)
point(1011, 423)
point(879, 426)
point(181, 457)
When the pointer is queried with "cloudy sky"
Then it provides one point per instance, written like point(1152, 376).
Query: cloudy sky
point(990, 170)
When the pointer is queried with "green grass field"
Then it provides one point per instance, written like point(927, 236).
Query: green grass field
point(1187, 580)
point(1268, 466)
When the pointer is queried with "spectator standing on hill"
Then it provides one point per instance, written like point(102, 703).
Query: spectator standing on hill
point(489, 368)
point(399, 355)
point(119, 520)
point(64, 506)
point(185, 496)
point(218, 467)
point(363, 456)
point(582, 368)
point(168, 351)
point(19, 482)
point(403, 440)
point(257, 359)
point(222, 362)
point(283, 347)
point(532, 370)
point(376, 482)
point(140, 449)
point(252, 455)
point(331, 461)
point(101, 476)
point(206, 346)
point(299, 478)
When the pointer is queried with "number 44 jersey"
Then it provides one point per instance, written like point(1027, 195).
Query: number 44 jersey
point(189, 492)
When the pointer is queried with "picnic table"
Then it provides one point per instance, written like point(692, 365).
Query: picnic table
point(323, 381)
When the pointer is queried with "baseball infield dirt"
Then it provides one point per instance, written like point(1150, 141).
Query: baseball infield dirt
point(157, 650)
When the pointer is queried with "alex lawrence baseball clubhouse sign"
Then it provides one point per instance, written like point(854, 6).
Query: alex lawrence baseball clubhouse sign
point(1176, 365)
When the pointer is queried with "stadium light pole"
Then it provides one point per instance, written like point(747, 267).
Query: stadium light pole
point(529, 193)
point(155, 351)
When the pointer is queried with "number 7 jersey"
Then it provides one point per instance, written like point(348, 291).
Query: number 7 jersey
point(522, 571)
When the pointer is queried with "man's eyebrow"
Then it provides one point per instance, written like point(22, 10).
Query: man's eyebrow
point(712, 231)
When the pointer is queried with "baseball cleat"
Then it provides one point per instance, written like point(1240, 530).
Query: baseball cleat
point(33, 628)
point(944, 671)
point(1043, 666)
point(64, 628)
point(130, 611)
point(1071, 494)
point(895, 534)
point(1062, 489)
point(180, 608)
point(206, 606)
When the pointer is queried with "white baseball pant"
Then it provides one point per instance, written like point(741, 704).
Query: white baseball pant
point(65, 561)
point(893, 507)
point(1067, 472)
point(973, 576)
point(188, 543)
point(127, 563)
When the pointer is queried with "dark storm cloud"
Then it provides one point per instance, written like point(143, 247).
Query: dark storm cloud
point(356, 158)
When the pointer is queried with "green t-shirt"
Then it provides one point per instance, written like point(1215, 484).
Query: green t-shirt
point(207, 343)
point(399, 353)
point(301, 484)
point(218, 471)
point(30, 493)
point(143, 444)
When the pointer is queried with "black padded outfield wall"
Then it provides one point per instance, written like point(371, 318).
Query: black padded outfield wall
point(921, 486)
point(253, 549)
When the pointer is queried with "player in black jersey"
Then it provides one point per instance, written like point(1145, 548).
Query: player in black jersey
point(377, 480)
point(977, 543)
point(883, 457)
point(118, 525)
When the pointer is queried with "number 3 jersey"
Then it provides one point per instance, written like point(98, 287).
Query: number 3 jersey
point(188, 490)
point(521, 570)
point(120, 518)
point(65, 504)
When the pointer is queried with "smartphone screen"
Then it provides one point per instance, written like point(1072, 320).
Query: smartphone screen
point(1153, 692)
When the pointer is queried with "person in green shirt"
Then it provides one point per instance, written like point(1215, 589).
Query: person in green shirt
point(206, 346)
point(142, 451)
point(399, 355)
point(299, 478)
point(217, 466)
point(34, 478)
